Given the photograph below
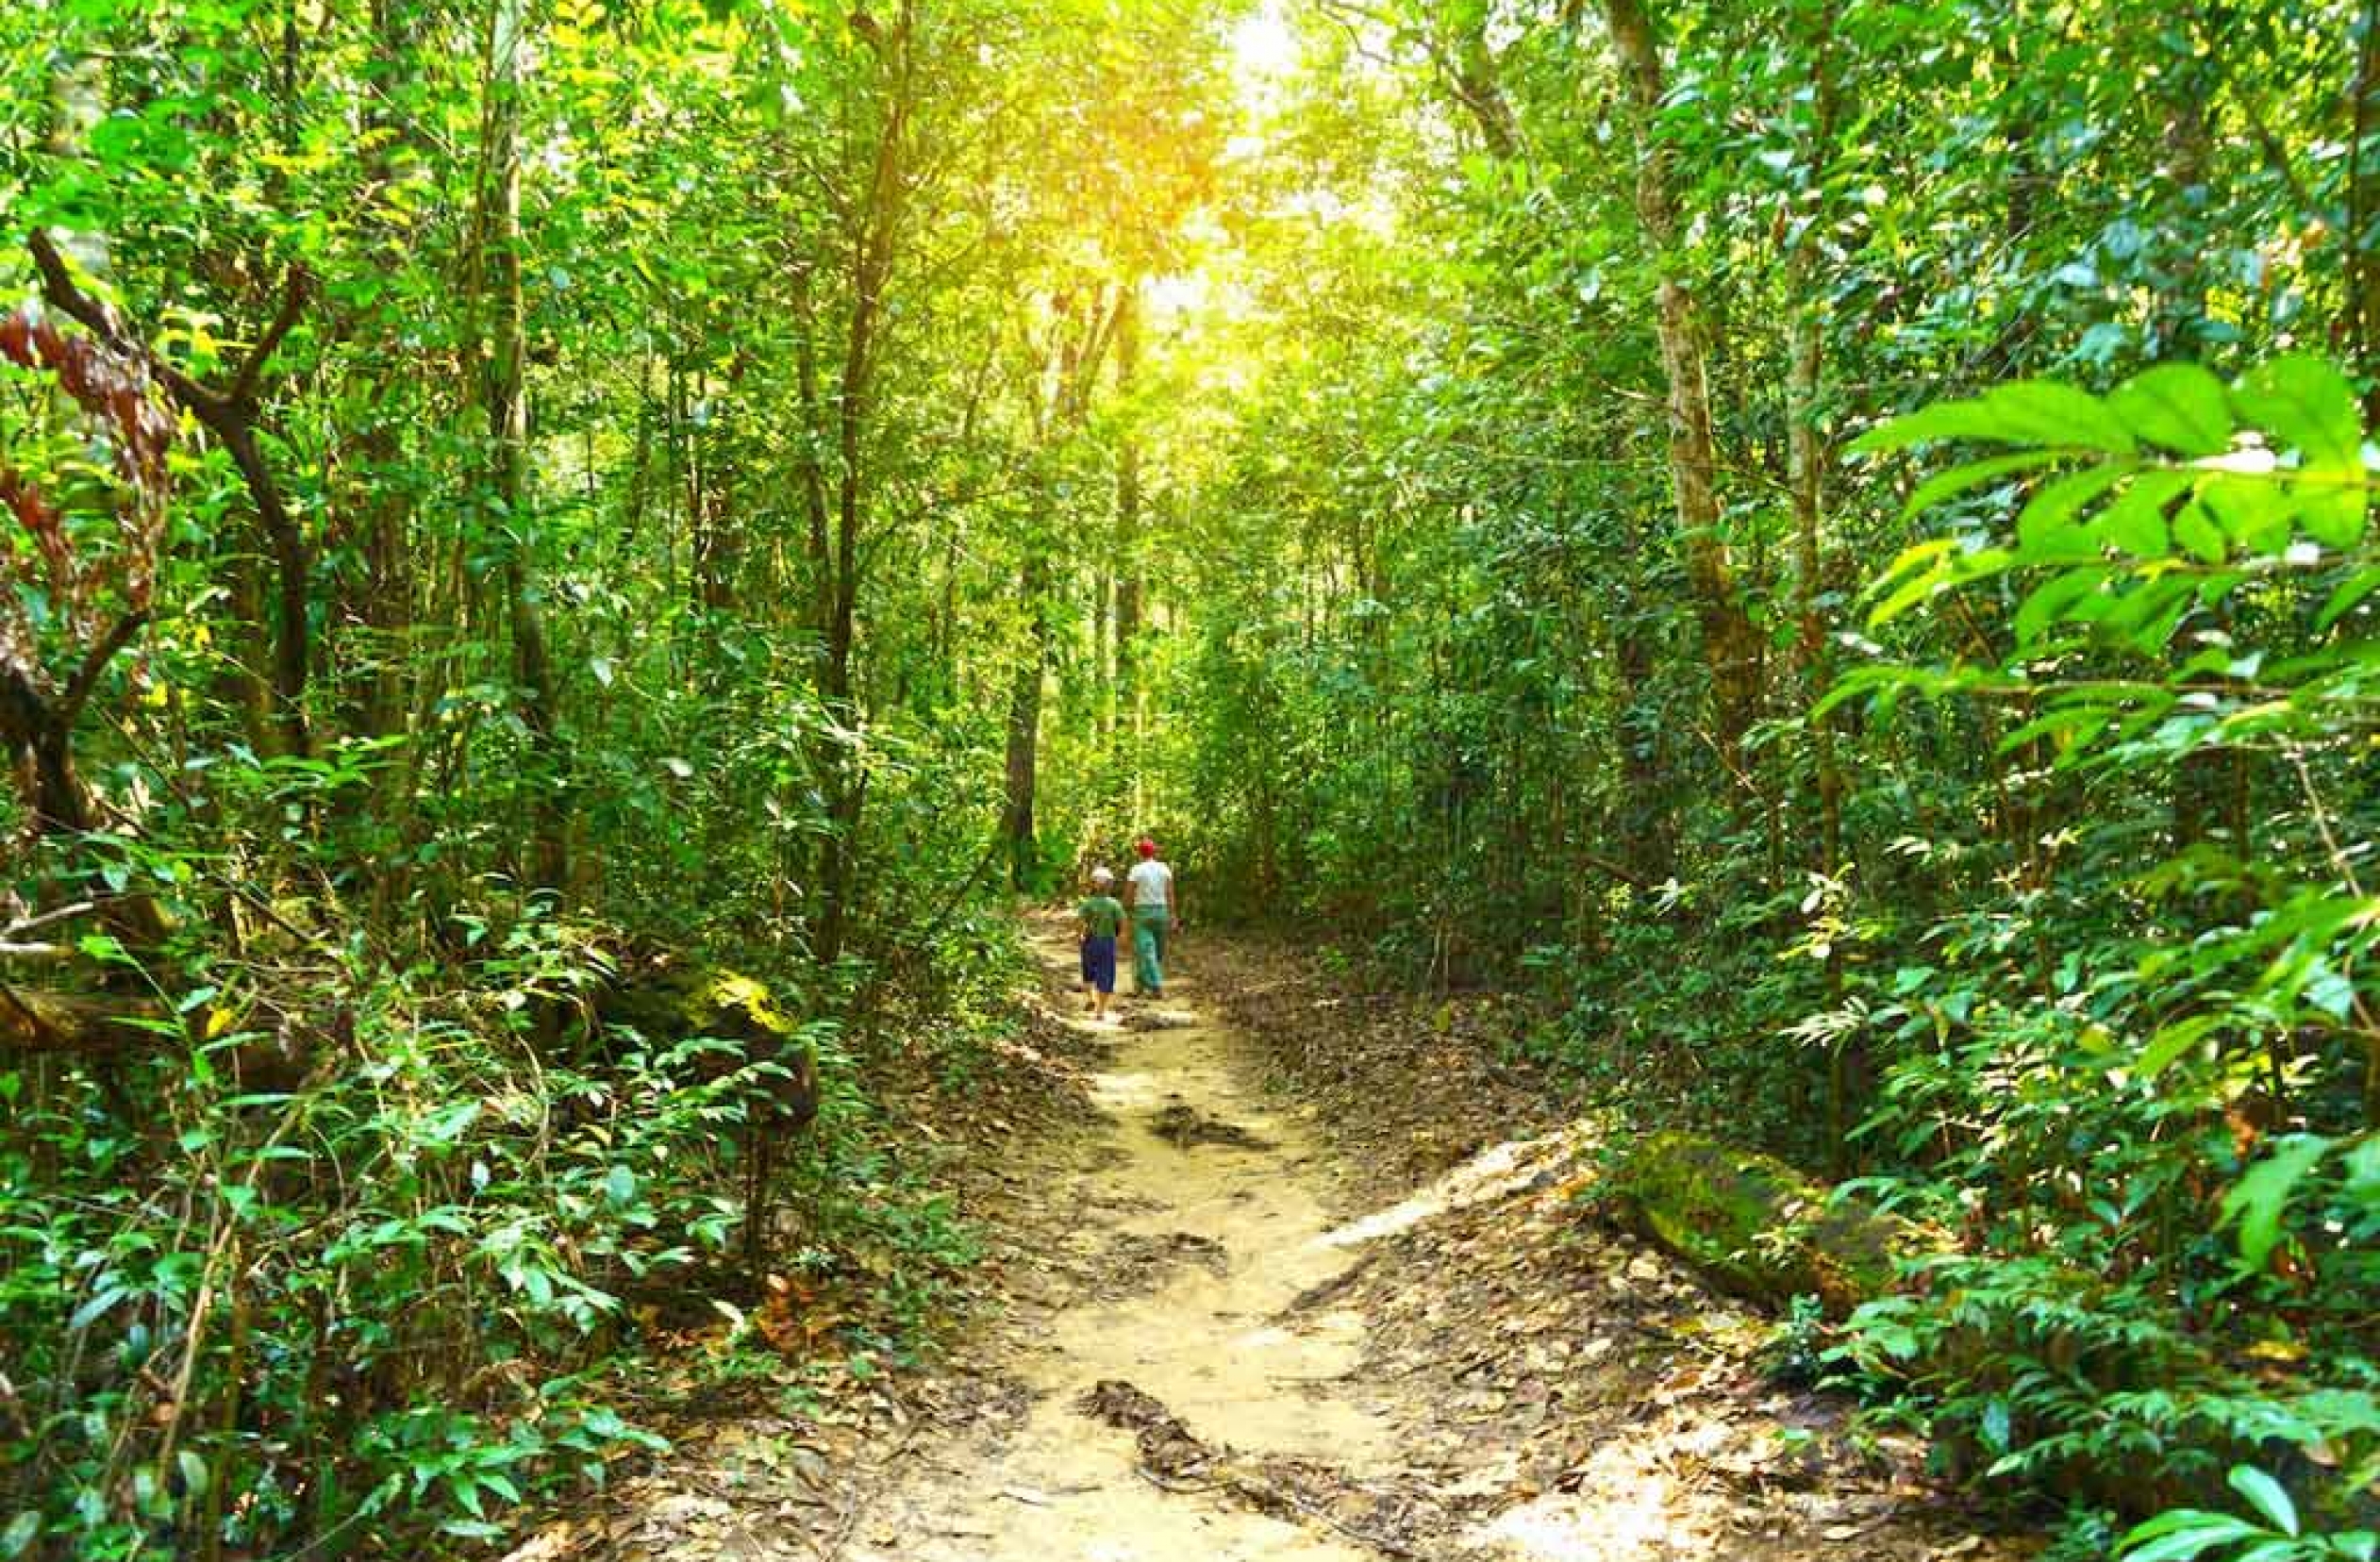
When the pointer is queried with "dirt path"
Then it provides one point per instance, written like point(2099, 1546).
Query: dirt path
point(1205, 1209)
point(1311, 1279)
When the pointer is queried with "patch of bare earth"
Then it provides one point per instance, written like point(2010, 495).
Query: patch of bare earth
point(1593, 1397)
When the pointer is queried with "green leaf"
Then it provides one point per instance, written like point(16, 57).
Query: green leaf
point(2330, 506)
point(2028, 412)
point(2265, 1495)
point(2305, 405)
point(2179, 407)
point(1958, 480)
point(2045, 412)
point(1912, 591)
point(2048, 520)
point(2363, 1168)
point(2066, 723)
point(619, 1187)
point(2253, 511)
point(22, 1532)
point(2261, 1195)
point(2352, 590)
point(2193, 529)
point(2183, 1534)
point(2136, 520)
point(2170, 1043)
point(2051, 600)
point(1997, 1430)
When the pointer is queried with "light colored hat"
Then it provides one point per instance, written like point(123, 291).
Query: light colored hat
point(1101, 875)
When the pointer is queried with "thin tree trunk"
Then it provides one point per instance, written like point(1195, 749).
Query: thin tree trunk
point(505, 399)
point(1730, 643)
point(2363, 207)
point(1806, 463)
point(1123, 557)
point(1805, 453)
point(1018, 826)
point(873, 252)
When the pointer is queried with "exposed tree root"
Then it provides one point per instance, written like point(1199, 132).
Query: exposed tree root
point(1173, 1459)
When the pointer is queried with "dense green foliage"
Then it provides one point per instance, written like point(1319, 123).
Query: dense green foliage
point(1823, 540)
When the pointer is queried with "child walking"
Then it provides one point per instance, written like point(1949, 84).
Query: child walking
point(1097, 922)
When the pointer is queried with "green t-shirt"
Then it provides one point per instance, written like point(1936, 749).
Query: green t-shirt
point(1103, 915)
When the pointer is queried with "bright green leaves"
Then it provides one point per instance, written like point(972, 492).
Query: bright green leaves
point(2256, 1201)
point(2145, 503)
point(2041, 413)
point(2049, 522)
point(1949, 485)
point(2214, 473)
point(2188, 1533)
point(2305, 405)
point(2136, 523)
point(2176, 407)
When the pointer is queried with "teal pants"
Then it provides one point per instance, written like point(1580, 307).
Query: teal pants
point(1148, 947)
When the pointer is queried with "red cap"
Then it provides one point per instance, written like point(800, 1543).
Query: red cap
point(1148, 847)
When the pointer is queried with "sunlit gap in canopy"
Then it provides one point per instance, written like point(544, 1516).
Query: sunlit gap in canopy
point(1264, 45)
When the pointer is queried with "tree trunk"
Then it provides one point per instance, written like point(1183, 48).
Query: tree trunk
point(1731, 645)
point(1024, 724)
point(1806, 452)
point(834, 535)
point(37, 734)
point(1758, 1227)
point(504, 396)
point(1123, 557)
point(2363, 207)
point(1806, 463)
point(1083, 328)
point(1469, 68)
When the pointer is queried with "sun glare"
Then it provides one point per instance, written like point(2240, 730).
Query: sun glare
point(1264, 43)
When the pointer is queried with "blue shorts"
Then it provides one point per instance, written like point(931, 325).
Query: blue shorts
point(1099, 963)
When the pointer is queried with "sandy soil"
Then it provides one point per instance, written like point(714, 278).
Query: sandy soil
point(1247, 1227)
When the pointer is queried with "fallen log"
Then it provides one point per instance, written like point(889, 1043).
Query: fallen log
point(681, 1003)
point(1756, 1227)
point(37, 1021)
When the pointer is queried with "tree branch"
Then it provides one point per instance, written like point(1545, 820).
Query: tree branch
point(69, 705)
point(295, 288)
point(230, 416)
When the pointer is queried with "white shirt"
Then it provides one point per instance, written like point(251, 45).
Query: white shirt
point(1152, 885)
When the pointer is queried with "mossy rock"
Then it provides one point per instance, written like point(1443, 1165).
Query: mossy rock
point(670, 1005)
point(1756, 1227)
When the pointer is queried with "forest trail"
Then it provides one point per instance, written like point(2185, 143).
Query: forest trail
point(1214, 1232)
point(1244, 1326)
point(1253, 1304)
